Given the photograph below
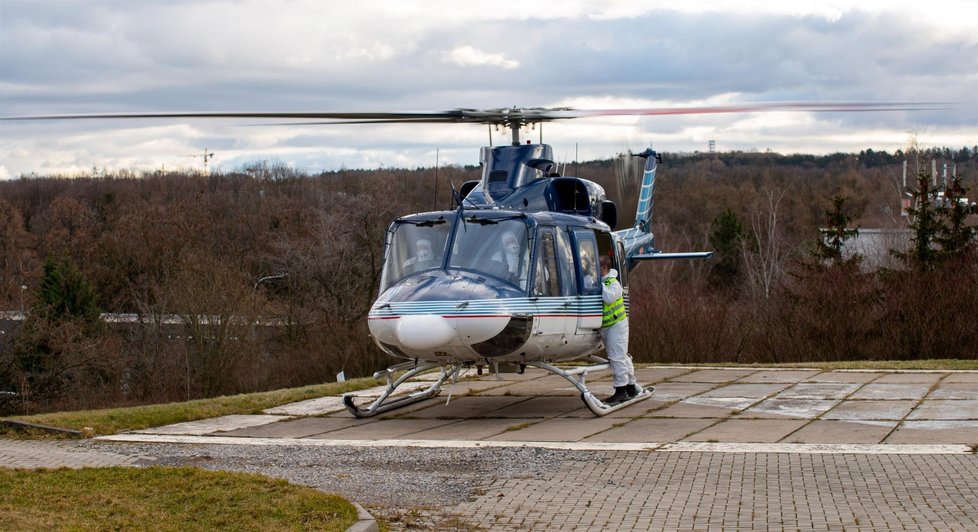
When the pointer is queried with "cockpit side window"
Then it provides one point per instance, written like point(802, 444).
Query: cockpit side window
point(414, 247)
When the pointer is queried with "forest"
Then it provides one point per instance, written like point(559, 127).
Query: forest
point(262, 278)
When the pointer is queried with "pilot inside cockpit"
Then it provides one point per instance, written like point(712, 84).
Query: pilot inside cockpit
point(423, 255)
point(509, 255)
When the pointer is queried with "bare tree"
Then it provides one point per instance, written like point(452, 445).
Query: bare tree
point(765, 252)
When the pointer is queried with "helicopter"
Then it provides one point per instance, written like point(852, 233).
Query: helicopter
point(508, 277)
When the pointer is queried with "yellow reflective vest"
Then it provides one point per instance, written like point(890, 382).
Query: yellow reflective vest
point(614, 311)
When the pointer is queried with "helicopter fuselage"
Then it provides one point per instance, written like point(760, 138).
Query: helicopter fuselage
point(477, 286)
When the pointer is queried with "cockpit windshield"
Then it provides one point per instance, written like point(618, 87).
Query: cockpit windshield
point(495, 247)
point(499, 248)
point(415, 247)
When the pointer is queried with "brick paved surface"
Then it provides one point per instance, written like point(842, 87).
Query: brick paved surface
point(738, 491)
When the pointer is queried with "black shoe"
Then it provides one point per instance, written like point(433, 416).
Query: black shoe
point(620, 396)
point(633, 390)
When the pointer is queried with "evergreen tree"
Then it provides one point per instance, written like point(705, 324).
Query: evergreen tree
point(726, 235)
point(65, 294)
point(924, 225)
point(829, 246)
point(953, 235)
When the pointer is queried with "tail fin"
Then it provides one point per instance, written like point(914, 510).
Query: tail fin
point(643, 214)
point(638, 241)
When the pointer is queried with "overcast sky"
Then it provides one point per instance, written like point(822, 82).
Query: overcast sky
point(319, 55)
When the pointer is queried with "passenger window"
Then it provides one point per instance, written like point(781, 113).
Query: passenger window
point(565, 261)
point(546, 283)
point(587, 247)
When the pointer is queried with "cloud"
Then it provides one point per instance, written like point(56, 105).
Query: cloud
point(305, 55)
point(467, 56)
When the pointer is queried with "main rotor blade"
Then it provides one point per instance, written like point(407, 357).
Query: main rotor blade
point(753, 108)
point(510, 117)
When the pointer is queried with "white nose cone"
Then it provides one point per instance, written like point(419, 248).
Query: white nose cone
point(424, 332)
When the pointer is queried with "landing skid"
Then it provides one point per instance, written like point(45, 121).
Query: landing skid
point(576, 377)
point(381, 405)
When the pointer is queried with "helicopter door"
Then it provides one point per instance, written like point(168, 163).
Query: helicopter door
point(589, 298)
point(549, 284)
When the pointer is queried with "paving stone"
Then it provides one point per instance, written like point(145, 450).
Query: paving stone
point(714, 375)
point(955, 390)
point(878, 390)
point(297, 428)
point(818, 390)
point(686, 409)
point(209, 426)
point(647, 430)
point(965, 377)
point(756, 391)
point(854, 377)
point(866, 410)
point(467, 407)
point(913, 377)
point(383, 429)
point(470, 429)
point(780, 376)
point(563, 429)
point(747, 431)
point(942, 409)
point(935, 432)
point(680, 390)
point(791, 408)
point(818, 431)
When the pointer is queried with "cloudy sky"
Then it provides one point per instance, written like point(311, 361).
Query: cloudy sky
point(60, 57)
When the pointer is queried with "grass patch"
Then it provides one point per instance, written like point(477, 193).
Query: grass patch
point(116, 420)
point(163, 498)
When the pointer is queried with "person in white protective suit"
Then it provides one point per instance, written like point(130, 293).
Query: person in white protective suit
point(510, 254)
point(614, 332)
point(422, 254)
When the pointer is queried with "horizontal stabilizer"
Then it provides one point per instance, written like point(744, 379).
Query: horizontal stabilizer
point(667, 256)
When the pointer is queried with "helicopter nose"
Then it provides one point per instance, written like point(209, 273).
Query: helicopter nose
point(424, 332)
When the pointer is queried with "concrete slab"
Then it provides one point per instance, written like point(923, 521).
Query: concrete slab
point(685, 409)
point(465, 407)
point(748, 431)
point(866, 410)
point(297, 428)
point(965, 377)
point(789, 408)
point(928, 378)
point(649, 430)
point(470, 429)
point(755, 391)
point(887, 391)
point(946, 410)
point(780, 376)
point(818, 390)
point(642, 408)
point(383, 429)
point(732, 403)
point(540, 407)
point(542, 386)
point(560, 429)
point(209, 426)
point(818, 431)
point(954, 390)
point(858, 377)
point(714, 375)
point(654, 375)
point(681, 390)
point(925, 432)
